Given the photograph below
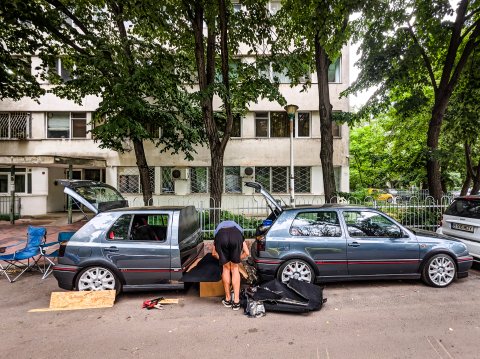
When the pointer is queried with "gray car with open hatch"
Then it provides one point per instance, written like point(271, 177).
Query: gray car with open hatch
point(335, 242)
point(121, 248)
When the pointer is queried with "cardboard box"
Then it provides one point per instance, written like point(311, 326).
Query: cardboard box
point(212, 289)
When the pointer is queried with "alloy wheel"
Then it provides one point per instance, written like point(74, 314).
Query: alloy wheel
point(96, 278)
point(441, 271)
point(297, 269)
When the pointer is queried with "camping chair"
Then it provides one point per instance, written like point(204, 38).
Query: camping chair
point(31, 253)
point(48, 257)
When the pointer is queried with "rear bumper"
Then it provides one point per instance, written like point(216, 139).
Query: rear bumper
point(65, 276)
point(266, 268)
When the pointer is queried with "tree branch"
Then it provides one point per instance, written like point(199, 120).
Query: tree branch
point(474, 11)
point(470, 28)
point(61, 7)
point(426, 60)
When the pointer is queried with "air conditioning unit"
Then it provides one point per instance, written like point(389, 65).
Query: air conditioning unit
point(247, 172)
point(180, 173)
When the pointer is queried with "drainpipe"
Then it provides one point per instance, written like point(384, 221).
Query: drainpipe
point(12, 193)
point(69, 199)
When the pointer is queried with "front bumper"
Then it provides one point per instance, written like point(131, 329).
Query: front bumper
point(464, 264)
point(65, 276)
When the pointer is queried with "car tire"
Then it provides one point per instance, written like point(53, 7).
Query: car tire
point(439, 271)
point(296, 269)
point(98, 278)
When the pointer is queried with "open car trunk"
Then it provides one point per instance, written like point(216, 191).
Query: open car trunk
point(96, 196)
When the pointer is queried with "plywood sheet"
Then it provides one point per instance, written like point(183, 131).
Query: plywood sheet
point(211, 289)
point(79, 300)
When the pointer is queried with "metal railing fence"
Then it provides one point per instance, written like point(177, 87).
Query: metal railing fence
point(6, 204)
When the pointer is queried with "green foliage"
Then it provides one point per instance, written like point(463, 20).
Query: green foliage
point(249, 224)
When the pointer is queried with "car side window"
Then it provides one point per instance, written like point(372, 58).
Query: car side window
point(140, 227)
point(370, 224)
point(316, 224)
point(149, 227)
point(119, 230)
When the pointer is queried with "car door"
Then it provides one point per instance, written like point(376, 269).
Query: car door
point(376, 245)
point(318, 234)
point(138, 244)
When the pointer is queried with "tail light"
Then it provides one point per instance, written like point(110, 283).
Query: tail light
point(260, 243)
point(61, 249)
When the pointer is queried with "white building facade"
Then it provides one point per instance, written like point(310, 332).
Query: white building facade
point(43, 139)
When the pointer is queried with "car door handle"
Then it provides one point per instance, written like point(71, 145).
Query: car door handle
point(111, 249)
point(354, 244)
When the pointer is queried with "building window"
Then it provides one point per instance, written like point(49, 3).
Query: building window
point(336, 129)
point(15, 125)
point(334, 71)
point(66, 125)
point(302, 179)
point(168, 184)
point(303, 124)
point(337, 173)
point(129, 180)
point(279, 179)
point(233, 181)
point(237, 125)
point(275, 179)
point(199, 180)
point(261, 124)
point(277, 124)
point(62, 71)
point(22, 180)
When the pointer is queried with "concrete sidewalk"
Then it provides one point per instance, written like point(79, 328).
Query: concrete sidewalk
point(53, 222)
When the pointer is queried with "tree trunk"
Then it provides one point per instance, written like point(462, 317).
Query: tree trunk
point(476, 181)
point(433, 135)
point(325, 109)
point(466, 184)
point(143, 171)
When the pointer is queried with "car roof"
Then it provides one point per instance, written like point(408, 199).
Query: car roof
point(469, 197)
point(327, 206)
point(149, 208)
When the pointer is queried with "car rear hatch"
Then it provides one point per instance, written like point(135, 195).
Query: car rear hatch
point(462, 218)
point(271, 202)
point(96, 196)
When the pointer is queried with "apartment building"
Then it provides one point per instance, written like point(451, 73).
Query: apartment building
point(41, 140)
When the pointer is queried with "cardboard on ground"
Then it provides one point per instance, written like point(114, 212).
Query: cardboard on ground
point(79, 300)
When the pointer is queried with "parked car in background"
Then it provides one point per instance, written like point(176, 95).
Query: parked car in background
point(142, 248)
point(380, 195)
point(337, 242)
point(462, 220)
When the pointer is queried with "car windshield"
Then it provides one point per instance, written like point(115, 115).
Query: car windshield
point(469, 208)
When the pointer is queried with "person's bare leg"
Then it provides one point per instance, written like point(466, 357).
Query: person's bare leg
point(226, 280)
point(234, 267)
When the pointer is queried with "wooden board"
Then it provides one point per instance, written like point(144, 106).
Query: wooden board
point(79, 300)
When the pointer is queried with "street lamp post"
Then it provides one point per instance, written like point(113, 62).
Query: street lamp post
point(291, 109)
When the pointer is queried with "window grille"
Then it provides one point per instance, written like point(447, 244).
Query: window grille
point(233, 181)
point(168, 184)
point(280, 179)
point(199, 179)
point(262, 176)
point(129, 180)
point(302, 179)
point(15, 125)
point(303, 124)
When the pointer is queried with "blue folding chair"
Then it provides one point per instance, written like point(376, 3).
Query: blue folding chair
point(31, 253)
point(49, 263)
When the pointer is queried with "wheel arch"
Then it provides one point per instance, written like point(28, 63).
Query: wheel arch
point(99, 263)
point(435, 252)
point(303, 257)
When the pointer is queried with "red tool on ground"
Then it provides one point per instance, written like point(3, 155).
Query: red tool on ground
point(153, 303)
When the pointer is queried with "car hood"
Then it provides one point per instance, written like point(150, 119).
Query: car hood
point(96, 196)
point(432, 235)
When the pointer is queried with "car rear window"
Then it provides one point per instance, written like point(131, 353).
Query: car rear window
point(469, 208)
